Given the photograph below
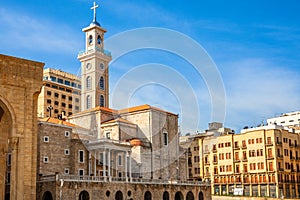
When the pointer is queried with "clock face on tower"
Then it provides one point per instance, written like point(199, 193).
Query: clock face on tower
point(88, 66)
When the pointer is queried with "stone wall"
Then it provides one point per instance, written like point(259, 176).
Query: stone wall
point(108, 190)
point(20, 84)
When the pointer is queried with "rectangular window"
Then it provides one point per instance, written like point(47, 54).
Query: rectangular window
point(120, 160)
point(49, 93)
point(269, 141)
point(107, 135)
point(70, 98)
point(80, 172)
point(63, 96)
point(49, 101)
point(8, 159)
point(53, 78)
point(59, 80)
point(46, 138)
point(67, 82)
point(56, 95)
point(165, 139)
point(81, 156)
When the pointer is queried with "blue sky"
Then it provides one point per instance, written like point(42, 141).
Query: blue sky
point(254, 44)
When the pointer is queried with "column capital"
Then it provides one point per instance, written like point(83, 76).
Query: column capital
point(14, 143)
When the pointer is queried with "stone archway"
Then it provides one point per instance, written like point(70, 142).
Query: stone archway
point(6, 127)
point(20, 84)
point(179, 196)
point(189, 196)
point(201, 196)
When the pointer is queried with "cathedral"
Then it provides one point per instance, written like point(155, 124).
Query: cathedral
point(95, 153)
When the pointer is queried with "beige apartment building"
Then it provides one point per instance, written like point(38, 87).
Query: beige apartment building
point(262, 161)
point(60, 94)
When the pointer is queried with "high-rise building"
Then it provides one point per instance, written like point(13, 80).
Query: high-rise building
point(286, 119)
point(60, 94)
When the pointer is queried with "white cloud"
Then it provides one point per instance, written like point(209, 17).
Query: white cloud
point(26, 32)
point(257, 89)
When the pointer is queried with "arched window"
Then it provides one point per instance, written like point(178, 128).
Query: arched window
point(102, 102)
point(119, 195)
point(47, 196)
point(90, 39)
point(88, 102)
point(165, 135)
point(99, 39)
point(147, 196)
point(166, 196)
point(178, 196)
point(88, 83)
point(189, 196)
point(84, 195)
point(101, 83)
point(201, 196)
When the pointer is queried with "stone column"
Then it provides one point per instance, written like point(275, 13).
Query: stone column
point(104, 164)
point(125, 163)
point(109, 163)
point(14, 143)
point(95, 163)
point(130, 177)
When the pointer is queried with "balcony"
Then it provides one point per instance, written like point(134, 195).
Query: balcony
point(269, 144)
point(278, 143)
point(236, 147)
point(214, 150)
point(270, 157)
point(86, 52)
point(206, 152)
point(291, 145)
point(292, 157)
point(215, 162)
point(281, 169)
point(237, 160)
point(244, 159)
point(244, 146)
point(279, 156)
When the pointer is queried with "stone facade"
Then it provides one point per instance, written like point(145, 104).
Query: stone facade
point(20, 84)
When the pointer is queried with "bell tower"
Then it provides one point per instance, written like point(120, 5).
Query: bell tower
point(94, 67)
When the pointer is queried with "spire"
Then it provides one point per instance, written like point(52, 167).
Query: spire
point(95, 6)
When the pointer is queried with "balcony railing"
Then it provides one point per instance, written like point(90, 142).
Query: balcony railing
point(244, 146)
point(270, 157)
point(278, 143)
point(269, 143)
point(101, 179)
point(236, 147)
point(85, 52)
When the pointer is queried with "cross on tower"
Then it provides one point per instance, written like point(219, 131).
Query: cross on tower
point(94, 8)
